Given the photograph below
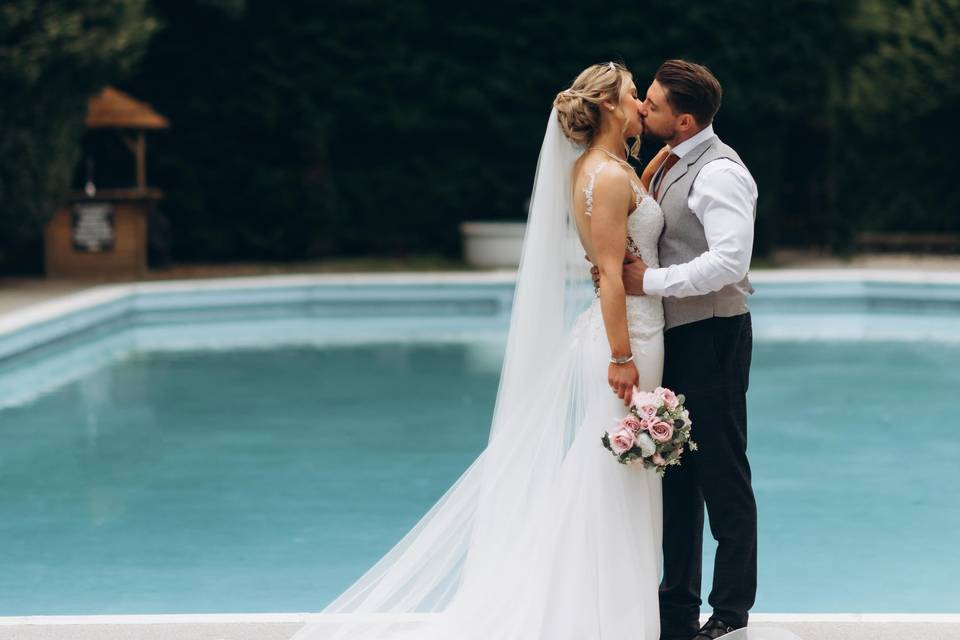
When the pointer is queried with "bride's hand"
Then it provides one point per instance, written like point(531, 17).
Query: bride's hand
point(622, 379)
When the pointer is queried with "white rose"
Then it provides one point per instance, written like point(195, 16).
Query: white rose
point(647, 446)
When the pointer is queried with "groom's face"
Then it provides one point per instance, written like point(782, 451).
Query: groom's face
point(659, 121)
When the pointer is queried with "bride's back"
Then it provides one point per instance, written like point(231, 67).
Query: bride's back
point(599, 112)
point(587, 189)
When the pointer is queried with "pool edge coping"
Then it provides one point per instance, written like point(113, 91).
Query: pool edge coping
point(96, 295)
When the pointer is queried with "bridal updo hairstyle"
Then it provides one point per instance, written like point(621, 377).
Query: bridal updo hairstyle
point(579, 107)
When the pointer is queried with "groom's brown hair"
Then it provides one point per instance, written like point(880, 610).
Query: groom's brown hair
point(690, 88)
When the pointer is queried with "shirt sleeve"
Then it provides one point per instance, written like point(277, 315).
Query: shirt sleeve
point(723, 198)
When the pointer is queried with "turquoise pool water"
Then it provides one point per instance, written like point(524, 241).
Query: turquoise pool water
point(161, 477)
point(247, 481)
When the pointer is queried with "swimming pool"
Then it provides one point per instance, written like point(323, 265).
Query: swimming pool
point(256, 448)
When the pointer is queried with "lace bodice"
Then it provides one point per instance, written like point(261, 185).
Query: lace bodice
point(644, 225)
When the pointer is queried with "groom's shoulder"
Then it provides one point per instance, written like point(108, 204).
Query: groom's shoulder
point(721, 147)
point(720, 150)
point(722, 162)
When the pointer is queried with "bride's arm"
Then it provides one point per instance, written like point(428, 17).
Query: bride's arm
point(653, 165)
point(608, 233)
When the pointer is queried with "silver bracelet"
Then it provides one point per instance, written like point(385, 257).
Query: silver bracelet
point(621, 359)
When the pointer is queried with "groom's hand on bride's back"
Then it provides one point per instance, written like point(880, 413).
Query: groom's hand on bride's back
point(633, 270)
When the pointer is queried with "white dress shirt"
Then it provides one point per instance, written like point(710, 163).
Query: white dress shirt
point(723, 198)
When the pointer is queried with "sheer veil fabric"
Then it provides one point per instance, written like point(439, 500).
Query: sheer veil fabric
point(461, 570)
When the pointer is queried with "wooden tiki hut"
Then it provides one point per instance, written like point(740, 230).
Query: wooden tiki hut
point(103, 233)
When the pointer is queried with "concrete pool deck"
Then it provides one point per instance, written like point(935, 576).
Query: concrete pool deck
point(281, 626)
point(16, 293)
point(20, 306)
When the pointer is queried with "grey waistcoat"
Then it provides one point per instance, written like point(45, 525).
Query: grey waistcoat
point(683, 238)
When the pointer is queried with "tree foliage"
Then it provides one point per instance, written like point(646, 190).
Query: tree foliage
point(898, 119)
point(352, 127)
point(369, 127)
point(53, 55)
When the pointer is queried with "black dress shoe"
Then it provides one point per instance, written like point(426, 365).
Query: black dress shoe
point(715, 628)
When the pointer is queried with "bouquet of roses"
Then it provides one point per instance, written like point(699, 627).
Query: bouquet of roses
point(655, 431)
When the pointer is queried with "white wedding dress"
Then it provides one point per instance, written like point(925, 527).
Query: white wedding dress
point(545, 536)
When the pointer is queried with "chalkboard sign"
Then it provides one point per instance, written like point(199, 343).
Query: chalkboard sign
point(93, 227)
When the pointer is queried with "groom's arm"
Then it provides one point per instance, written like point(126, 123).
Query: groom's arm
point(723, 199)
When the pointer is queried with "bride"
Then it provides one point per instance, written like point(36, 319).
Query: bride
point(545, 536)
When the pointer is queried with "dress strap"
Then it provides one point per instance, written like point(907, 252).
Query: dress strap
point(638, 191)
point(588, 190)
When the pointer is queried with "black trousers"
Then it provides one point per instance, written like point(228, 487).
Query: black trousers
point(709, 362)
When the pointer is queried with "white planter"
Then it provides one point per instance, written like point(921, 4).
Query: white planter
point(492, 245)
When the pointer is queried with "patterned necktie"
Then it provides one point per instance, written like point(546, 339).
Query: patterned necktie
point(672, 159)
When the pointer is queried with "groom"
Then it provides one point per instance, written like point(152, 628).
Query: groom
point(708, 199)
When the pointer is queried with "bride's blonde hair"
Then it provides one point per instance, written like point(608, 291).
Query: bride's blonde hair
point(578, 107)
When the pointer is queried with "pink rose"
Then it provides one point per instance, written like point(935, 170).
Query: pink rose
point(658, 460)
point(646, 423)
point(668, 397)
point(648, 411)
point(630, 422)
point(661, 431)
point(622, 441)
point(640, 398)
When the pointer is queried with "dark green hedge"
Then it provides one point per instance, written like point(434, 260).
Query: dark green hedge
point(304, 130)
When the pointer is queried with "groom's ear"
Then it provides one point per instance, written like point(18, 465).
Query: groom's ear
point(686, 122)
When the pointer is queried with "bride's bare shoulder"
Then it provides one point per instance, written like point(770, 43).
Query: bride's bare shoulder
point(610, 179)
point(601, 184)
point(596, 171)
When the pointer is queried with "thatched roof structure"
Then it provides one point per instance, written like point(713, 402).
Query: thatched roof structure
point(114, 109)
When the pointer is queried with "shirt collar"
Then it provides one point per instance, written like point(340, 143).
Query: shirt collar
point(688, 145)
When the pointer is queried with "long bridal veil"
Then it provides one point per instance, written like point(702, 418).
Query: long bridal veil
point(464, 561)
